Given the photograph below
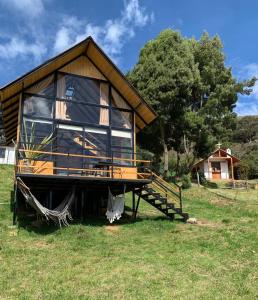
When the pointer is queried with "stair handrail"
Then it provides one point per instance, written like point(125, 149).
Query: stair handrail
point(168, 186)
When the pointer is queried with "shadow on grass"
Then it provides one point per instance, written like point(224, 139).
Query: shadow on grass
point(211, 185)
point(43, 228)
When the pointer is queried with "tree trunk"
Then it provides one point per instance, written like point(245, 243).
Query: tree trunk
point(165, 149)
point(177, 162)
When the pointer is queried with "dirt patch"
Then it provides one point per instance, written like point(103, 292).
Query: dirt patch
point(40, 245)
point(222, 202)
point(112, 228)
point(207, 223)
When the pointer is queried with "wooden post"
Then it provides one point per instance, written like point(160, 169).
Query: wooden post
point(18, 134)
point(198, 178)
point(208, 169)
point(133, 203)
point(137, 206)
point(232, 172)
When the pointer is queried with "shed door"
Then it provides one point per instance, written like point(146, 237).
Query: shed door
point(216, 170)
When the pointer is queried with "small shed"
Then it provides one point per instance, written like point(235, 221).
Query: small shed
point(218, 165)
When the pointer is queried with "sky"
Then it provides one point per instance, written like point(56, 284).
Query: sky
point(32, 31)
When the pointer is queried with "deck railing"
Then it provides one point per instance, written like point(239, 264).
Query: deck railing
point(40, 162)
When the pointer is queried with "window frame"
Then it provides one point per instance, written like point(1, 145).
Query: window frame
point(110, 107)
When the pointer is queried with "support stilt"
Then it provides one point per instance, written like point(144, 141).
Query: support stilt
point(15, 204)
point(137, 205)
point(133, 203)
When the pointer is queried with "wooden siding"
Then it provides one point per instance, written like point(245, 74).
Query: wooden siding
point(84, 67)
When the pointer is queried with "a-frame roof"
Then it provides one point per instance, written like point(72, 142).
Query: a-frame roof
point(234, 158)
point(10, 93)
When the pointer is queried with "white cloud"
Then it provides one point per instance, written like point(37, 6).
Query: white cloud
point(252, 70)
point(112, 35)
point(245, 108)
point(62, 39)
point(39, 33)
point(16, 46)
point(248, 104)
point(31, 8)
point(136, 14)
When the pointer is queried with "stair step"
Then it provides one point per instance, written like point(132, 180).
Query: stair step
point(151, 194)
point(171, 205)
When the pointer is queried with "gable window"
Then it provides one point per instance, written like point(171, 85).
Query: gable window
point(45, 87)
point(78, 88)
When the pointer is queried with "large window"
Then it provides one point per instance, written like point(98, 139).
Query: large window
point(35, 106)
point(77, 88)
point(82, 113)
point(89, 116)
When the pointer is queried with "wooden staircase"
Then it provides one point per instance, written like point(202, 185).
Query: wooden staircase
point(164, 196)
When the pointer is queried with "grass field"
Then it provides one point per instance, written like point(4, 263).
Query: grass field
point(152, 258)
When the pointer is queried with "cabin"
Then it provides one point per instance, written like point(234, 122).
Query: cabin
point(74, 120)
point(218, 165)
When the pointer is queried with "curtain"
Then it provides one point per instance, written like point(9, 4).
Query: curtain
point(104, 117)
point(61, 87)
point(61, 107)
point(119, 102)
point(39, 88)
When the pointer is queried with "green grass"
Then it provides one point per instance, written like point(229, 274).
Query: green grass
point(151, 258)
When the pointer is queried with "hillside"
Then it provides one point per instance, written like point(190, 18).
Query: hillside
point(151, 258)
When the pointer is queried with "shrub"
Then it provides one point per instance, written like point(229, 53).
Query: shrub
point(186, 181)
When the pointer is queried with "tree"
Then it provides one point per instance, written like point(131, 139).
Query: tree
point(193, 92)
point(246, 129)
point(165, 75)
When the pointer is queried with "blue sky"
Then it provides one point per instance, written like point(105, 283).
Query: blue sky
point(32, 31)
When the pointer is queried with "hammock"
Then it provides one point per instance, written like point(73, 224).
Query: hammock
point(60, 215)
point(115, 206)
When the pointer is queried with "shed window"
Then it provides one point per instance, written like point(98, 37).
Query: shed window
point(2, 152)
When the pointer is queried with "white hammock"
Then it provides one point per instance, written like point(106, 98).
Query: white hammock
point(115, 207)
point(60, 215)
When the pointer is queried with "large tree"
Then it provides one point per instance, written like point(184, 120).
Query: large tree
point(192, 90)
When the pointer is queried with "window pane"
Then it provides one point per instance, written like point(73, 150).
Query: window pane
point(122, 157)
point(2, 152)
point(81, 113)
point(37, 135)
point(45, 87)
point(121, 119)
point(121, 138)
point(118, 101)
point(78, 89)
point(69, 141)
point(38, 107)
point(96, 142)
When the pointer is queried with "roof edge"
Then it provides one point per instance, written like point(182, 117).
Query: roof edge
point(89, 38)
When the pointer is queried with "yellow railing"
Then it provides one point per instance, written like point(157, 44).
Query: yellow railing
point(108, 170)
